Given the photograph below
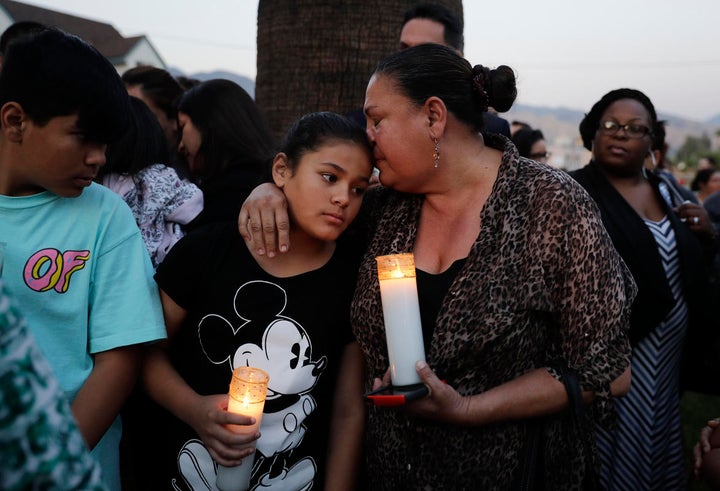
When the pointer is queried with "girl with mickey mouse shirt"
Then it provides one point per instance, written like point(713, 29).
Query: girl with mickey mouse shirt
point(225, 306)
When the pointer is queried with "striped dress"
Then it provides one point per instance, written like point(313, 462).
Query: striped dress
point(645, 451)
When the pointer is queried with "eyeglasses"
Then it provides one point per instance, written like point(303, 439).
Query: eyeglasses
point(539, 155)
point(632, 130)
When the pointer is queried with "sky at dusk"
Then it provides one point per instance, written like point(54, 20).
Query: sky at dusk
point(566, 53)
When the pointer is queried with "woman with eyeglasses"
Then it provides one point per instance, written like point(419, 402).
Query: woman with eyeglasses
point(668, 245)
point(531, 144)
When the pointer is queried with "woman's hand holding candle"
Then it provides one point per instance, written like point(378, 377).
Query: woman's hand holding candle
point(443, 402)
point(384, 382)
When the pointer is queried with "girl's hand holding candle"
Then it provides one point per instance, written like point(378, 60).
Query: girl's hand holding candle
point(248, 389)
point(216, 427)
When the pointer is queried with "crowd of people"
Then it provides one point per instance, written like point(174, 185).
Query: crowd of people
point(154, 236)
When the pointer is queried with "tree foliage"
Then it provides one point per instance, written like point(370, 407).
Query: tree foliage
point(693, 148)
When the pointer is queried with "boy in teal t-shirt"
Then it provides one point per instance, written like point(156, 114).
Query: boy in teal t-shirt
point(73, 255)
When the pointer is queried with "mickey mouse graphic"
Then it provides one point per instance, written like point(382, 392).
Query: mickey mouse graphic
point(279, 345)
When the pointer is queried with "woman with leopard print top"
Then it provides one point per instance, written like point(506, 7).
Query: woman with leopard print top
point(515, 272)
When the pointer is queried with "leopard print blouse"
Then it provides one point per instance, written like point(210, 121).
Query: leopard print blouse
point(542, 282)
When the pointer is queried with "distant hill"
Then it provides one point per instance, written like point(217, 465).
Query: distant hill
point(245, 82)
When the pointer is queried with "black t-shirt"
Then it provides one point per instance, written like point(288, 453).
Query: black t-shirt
point(432, 289)
point(293, 328)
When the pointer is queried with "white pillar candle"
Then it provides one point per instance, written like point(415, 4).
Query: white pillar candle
point(401, 313)
point(248, 390)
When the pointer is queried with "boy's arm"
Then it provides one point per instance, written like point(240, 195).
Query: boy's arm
point(104, 392)
point(347, 423)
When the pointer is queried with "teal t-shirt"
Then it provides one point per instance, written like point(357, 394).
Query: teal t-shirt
point(82, 276)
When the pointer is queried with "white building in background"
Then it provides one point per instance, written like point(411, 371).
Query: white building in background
point(122, 52)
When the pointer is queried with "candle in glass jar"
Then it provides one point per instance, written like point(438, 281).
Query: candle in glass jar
point(401, 314)
point(248, 389)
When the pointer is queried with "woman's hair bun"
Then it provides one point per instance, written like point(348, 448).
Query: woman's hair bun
point(502, 89)
point(494, 88)
point(481, 87)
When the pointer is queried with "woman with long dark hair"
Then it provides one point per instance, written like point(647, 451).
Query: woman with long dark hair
point(226, 144)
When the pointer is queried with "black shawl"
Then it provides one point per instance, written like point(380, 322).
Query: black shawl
point(636, 244)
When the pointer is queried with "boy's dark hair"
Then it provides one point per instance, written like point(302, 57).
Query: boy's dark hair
point(17, 31)
point(158, 85)
point(453, 25)
point(234, 133)
point(53, 74)
point(142, 145)
point(313, 130)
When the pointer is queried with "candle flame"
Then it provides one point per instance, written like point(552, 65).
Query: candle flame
point(395, 266)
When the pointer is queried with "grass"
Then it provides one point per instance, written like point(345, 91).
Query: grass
point(695, 410)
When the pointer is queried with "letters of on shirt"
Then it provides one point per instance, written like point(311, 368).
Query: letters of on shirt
point(49, 269)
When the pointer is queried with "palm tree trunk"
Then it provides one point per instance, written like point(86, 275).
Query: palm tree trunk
point(315, 55)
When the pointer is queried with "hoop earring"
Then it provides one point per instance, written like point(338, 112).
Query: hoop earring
point(653, 159)
point(436, 153)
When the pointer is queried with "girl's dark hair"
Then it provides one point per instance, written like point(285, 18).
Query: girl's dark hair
point(314, 130)
point(525, 138)
point(233, 131)
point(430, 70)
point(591, 121)
point(142, 145)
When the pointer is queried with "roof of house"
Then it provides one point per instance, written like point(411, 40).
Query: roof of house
point(103, 36)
